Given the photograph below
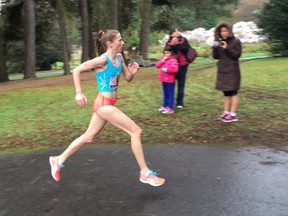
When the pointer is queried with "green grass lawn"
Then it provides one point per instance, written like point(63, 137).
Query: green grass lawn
point(46, 116)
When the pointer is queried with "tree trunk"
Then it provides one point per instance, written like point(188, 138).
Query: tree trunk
point(92, 53)
point(145, 27)
point(84, 13)
point(30, 61)
point(65, 50)
point(3, 50)
point(120, 6)
point(115, 23)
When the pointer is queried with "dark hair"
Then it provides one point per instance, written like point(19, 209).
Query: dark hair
point(167, 48)
point(218, 28)
point(174, 29)
point(102, 38)
point(170, 49)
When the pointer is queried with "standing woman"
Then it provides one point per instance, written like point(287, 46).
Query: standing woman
point(108, 68)
point(227, 48)
point(180, 47)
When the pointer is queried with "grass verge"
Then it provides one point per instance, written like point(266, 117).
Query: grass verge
point(41, 117)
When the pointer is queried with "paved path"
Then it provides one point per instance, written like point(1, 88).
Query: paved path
point(103, 180)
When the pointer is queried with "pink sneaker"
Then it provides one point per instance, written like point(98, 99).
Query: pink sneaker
point(55, 167)
point(161, 109)
point(168, 111)
point(151, 178)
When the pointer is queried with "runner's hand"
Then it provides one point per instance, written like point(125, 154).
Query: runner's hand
point(133, 67)
point(80, 99)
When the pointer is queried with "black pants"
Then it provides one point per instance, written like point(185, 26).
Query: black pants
point(181, 76)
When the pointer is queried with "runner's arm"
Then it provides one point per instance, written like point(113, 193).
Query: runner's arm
point(130, 70)
point(85, 66)
point(98, 62)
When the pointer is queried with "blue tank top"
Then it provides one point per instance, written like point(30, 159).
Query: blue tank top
point(108, 79)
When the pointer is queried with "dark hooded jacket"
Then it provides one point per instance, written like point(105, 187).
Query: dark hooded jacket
point(180, 50)
point(228, 69)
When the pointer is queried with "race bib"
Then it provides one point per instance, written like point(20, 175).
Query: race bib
point(114, 82)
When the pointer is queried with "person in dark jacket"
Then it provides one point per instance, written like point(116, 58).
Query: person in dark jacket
point(227, 49)
point(180, 47)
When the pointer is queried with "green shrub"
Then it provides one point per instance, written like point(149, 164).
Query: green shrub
point(255, 47)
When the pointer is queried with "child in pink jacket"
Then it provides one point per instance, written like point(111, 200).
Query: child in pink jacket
point(168, 66)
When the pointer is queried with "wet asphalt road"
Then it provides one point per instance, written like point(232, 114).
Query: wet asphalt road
point(103, 180)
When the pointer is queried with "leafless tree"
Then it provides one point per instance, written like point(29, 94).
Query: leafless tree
point(84, 13)
point(30, 57)
point(145, 27)
point(61, 21)
point(3, 69)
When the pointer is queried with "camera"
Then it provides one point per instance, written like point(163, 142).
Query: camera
point(220, 40)
point(221, 43)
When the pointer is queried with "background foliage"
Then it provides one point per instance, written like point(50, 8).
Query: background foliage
point(165, 15)
point(185, 14)
point(273, 19)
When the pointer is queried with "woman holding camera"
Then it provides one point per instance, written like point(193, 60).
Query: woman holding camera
point(227, 49)
point(180, 47)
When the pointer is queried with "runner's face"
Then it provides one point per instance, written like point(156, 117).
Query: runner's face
point(118, 43)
